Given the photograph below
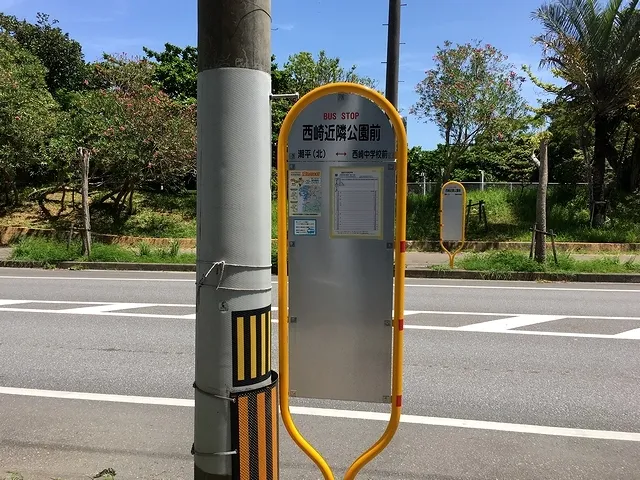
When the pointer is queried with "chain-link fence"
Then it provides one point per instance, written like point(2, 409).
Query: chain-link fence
point(425, 188)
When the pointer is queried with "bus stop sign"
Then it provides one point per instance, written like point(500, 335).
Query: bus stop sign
point(341, 199)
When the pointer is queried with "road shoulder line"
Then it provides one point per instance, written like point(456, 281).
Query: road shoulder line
point(345, 414)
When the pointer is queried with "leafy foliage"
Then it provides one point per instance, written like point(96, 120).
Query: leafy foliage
point(306, 73)
point(427, 162)
point(61, 56)
point(176, 72)
point(471, 92)
point(595, 49)
point(28, 114)
point(151, 137)
point(137, 118)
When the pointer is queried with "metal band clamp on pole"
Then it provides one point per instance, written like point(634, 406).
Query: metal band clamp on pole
point(399, 258)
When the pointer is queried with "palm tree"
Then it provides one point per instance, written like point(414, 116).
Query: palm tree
point(596, 50)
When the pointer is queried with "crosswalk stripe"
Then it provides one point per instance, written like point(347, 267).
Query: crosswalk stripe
point(508, 323)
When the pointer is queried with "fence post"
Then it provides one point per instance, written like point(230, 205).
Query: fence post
point(484, 216)
point(533, 239)
point(553, 246)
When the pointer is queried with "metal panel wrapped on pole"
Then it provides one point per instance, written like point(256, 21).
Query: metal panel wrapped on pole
point(235, 431)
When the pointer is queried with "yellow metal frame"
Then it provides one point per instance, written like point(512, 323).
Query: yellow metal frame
point(452, 255)
point(399, 258)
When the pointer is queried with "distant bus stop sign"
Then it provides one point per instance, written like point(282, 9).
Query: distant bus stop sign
point(453, 199)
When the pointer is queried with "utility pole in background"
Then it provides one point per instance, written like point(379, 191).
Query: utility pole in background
point(236, 415)
point(393, 52)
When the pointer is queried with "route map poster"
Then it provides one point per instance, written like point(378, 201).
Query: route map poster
point(305, 193)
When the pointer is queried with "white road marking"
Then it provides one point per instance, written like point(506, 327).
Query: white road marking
point(81, 311)
point(475, 314)
point(406, 312)
point(474, 424)
point(97, 397)
point(408, 326)
point(416, 285)
point(97, 310)
point(510, 287)
point(502, 324)
point(13, 302)
point(518, 332)
point(349, 414)
point(630, 334)
point(97, 279)
point(496, 314)
point(520, 287)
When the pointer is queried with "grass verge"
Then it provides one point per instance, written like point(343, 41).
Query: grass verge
point(511, 261)
point(52, 251)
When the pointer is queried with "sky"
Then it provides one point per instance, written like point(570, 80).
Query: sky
point(352, 30)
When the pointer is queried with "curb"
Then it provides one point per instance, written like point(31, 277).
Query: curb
point(524, 276)
point(143, 267)
point(410, 272)
point(567, 247)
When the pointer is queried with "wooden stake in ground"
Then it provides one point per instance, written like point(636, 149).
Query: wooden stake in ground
point(541, 203)
point(84, 154)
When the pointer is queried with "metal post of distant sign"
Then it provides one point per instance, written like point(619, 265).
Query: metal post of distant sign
point(453, 199)
point(342, 185)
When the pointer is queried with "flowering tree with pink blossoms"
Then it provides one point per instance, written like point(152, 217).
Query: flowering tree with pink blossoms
point(470, 93)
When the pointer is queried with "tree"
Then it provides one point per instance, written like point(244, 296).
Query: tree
point(596, 50)
point(470, 92)
point(176, 72)
point(628, 160)
point(427, 162)
point(61, 56)
point(570, 145)
point(27, 113)
point(505, 160)
point(151, 137)
point(281, 83)
point(79, 140)
point(302, 73)
point(305, 73)
point(133, 134)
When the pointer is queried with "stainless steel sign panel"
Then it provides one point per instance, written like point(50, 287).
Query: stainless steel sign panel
point(341, 207)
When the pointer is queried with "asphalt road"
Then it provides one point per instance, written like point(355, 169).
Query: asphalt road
point(502, 381)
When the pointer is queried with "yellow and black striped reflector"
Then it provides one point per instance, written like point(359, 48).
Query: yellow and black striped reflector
point(255, 433)
point(251, 331)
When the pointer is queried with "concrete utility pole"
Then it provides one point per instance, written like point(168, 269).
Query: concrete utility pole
point(236, 421)
point(393, 52)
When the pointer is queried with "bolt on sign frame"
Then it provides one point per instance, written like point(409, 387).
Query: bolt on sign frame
point(453, 211)
point(308, 227)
